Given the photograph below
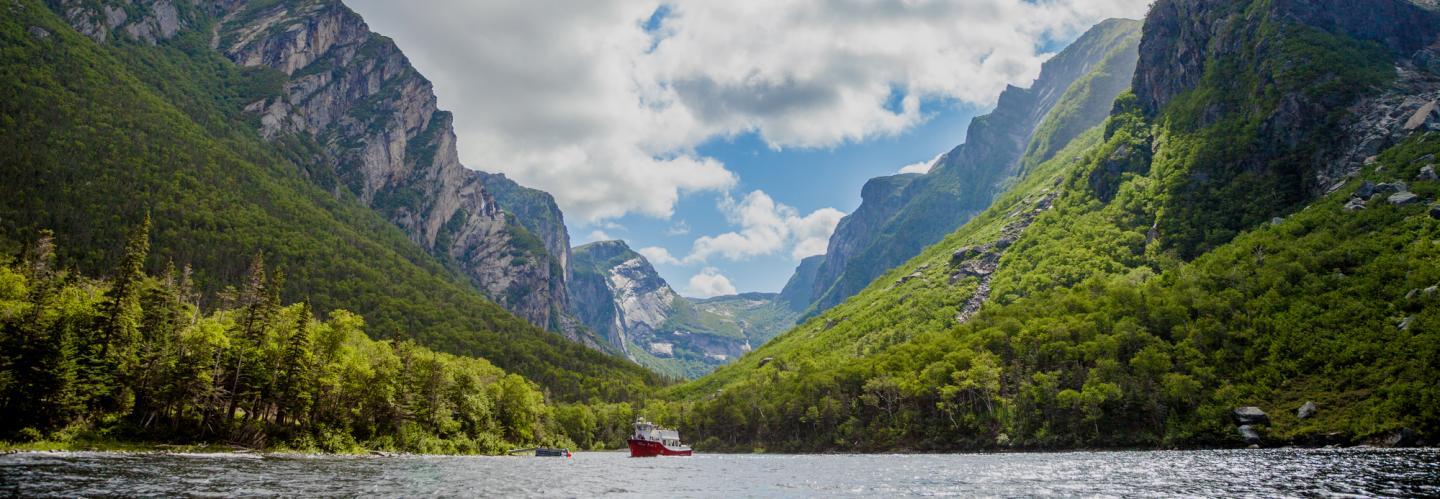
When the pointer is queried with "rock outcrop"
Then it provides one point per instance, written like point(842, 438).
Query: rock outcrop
point(376, 123)
point(618, 294)
point(902, 214)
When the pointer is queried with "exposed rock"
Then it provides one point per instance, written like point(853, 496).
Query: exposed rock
point(1435, 211)
point(1355, 204)
point(1250, 415)
point(766, 360)
point(1391, 187)
point(1277, 221)
point(907, 278)
point(1403, 198)
point(900, 215)
point(798, 290)
point(38, 33)
point(1306, 411)
point(618, 294)
point(1366, 189)
point(1427, 173)
point(1403, 437)
point(1427, 113)
point(1404, 324)
point(1248, 434)
point(377, 121)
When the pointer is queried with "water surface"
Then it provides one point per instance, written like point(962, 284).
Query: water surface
point(1268, 472)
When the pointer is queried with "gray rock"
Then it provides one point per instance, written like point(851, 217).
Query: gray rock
point(1277, 221)
point(1427, 174)
point(1250, 415)
point(1403, 437)
point(1249, 435)
point(1426, 114)
point(1355, 204)
point(1365, 190)
point(1404, 324)
point(1306, 411)
point(1391, 187)
point(1435, 211)
point(1403, 198)
point(38, 32)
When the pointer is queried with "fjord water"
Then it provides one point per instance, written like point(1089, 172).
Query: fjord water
point(1268, 472)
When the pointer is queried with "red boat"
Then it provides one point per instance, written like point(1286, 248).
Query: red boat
point(650, 441)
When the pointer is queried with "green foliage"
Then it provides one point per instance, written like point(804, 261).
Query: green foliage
point(97, 136)
point(255, 373)
point(1137, 310)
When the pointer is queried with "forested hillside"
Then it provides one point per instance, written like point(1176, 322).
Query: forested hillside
point(97, 136)
point(1248, 228)
point(135, 358)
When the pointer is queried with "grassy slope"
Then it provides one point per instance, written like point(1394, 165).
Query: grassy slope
point(93, 137)
point(1099, 333)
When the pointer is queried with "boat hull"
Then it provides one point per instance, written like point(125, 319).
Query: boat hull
point(646, 448)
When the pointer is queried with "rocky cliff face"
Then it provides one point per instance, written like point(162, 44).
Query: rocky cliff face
point(1304, 92)
point(902, 214)
point(618, 294)
point(797, 291)
point(373, 120)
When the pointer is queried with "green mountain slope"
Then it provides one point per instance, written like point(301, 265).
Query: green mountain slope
point(97, 136)
point(902, 214)
point(1199, 252)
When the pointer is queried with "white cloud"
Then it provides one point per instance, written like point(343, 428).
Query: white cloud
point(659, 256)
point(576, 98)
point(921, 167)
point(597, 235)
point(709, 282)
point(812, 233)
point(679, 228)
point(766, 227)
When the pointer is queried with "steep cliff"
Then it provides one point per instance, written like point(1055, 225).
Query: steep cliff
point(618, 294)
point(900, 215)
point(374, 120)
point(1254, 226)
point(797, 291)
point(140, 115)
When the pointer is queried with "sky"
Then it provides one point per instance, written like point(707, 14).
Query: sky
point(724, 140)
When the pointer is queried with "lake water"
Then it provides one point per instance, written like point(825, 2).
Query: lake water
point(1268, 472)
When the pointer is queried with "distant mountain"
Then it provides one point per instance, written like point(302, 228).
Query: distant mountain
point(289, 129)
point(1253, 226)
point(798, 290)
point(900, 215)
point(618, 294)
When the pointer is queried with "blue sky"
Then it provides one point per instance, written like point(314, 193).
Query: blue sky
point(751, 123)
point(805, 178)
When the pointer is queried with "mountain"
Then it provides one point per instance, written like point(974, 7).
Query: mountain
point(373, 119)
point(900, 215)
point(1248, 227)
point(286, 129)
point(797, 291)
point(618, 294)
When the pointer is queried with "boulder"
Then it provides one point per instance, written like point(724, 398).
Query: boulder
point(1427, 174)
point(1391, 187)
point(1404, 437)
point(1355, 204)
point(1249, 435)
point(1404, 324)
point(1250, 415)
point(1403, 198)
point(1435, 211)
point(1277, 221)
point(1306, 411)
point(1365, 190)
